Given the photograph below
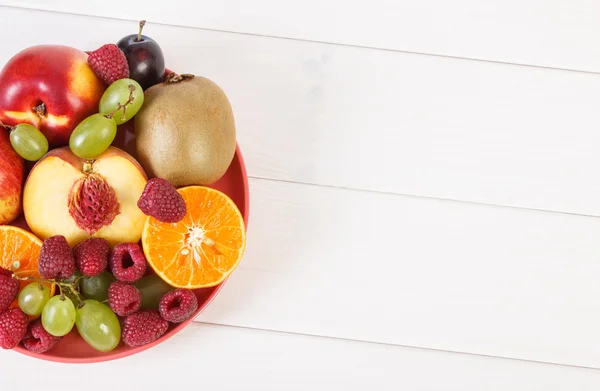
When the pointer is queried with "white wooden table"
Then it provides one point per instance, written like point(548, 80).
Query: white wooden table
point(425, 198)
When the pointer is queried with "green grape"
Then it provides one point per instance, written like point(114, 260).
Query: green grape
point(152, 288)
point(96, 287)
point(58, 316)
point(98, 325)
point(92, 136)
point(118, 94)
point(33, 298)
point(28, 142)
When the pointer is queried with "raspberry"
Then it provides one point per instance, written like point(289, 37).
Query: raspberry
point(109, 63)
point(143, 328)
point(13, 326)
point(56, 258)
point(37, 339)
point(178, 305)
point(124, 299)
point(91, 256)
point(161, 200)
point(9, 289)
point(127, 262)
point(4, 272)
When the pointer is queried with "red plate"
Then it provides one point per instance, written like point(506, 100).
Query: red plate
point(72, 348)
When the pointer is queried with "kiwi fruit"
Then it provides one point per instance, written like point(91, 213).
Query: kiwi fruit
point(185, 131)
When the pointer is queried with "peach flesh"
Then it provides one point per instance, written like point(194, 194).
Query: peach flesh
point(52, 197)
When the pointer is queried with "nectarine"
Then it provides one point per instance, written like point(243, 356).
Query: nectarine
point(11, 180)
point(51, 87)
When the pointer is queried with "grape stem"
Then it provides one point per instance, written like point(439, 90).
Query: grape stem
point(124, 106)
point(142, 24)
point(61, 285)
point(7, 127)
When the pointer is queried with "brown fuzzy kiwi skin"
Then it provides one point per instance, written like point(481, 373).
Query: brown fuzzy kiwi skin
point(185, 131)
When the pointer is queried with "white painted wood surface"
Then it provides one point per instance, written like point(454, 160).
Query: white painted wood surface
point(552, 33)
point(385, 121)
point(224, 358)
point(418, 272)
point(397, 199)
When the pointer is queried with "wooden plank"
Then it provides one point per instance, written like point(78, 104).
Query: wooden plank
point(535, 32)
point(500, 281)
point(417, 272)
point(223, 358)
point(378, 120)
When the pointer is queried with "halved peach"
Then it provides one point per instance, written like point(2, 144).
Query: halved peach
point(64, 195)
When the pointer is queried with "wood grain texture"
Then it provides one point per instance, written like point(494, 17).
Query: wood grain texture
point(378, 120)
point(418, 272)
point(377, 266)
point(536, 32)
point(224, 358)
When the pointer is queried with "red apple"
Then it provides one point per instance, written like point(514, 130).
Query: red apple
point(12, 169)
point(51, 87)
point(64, 195)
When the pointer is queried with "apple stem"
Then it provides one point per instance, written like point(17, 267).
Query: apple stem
point(124, 107)
point(142, 24)
point(40, 110)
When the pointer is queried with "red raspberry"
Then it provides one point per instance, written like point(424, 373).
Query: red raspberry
point(143, 328)
point(178, 305)
point(91, 256)
point(109, 63)
point(9, 289)
point(128, 263)
point(56, 258)
point(13, 326)
point(124, 299)
point(161, 200)
point(37, 339)
point(4, 272)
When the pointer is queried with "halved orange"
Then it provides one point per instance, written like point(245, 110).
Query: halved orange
point(19, 253)
point(202, 249)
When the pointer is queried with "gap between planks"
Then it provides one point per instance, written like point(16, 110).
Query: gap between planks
point(408, 347)
point(311, 41)
point(375, 191)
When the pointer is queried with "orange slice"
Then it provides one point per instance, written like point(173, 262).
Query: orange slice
point(202, 249)
point(19, 253)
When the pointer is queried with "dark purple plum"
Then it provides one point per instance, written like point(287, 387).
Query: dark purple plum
point(145, 58)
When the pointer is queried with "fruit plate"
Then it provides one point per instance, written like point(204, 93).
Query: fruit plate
point(72, 348)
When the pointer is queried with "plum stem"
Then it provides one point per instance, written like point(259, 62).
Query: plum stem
point(124, 107)
point(142, 24)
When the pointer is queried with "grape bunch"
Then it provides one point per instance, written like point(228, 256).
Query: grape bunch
point(108, 295)
point(120, 102)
